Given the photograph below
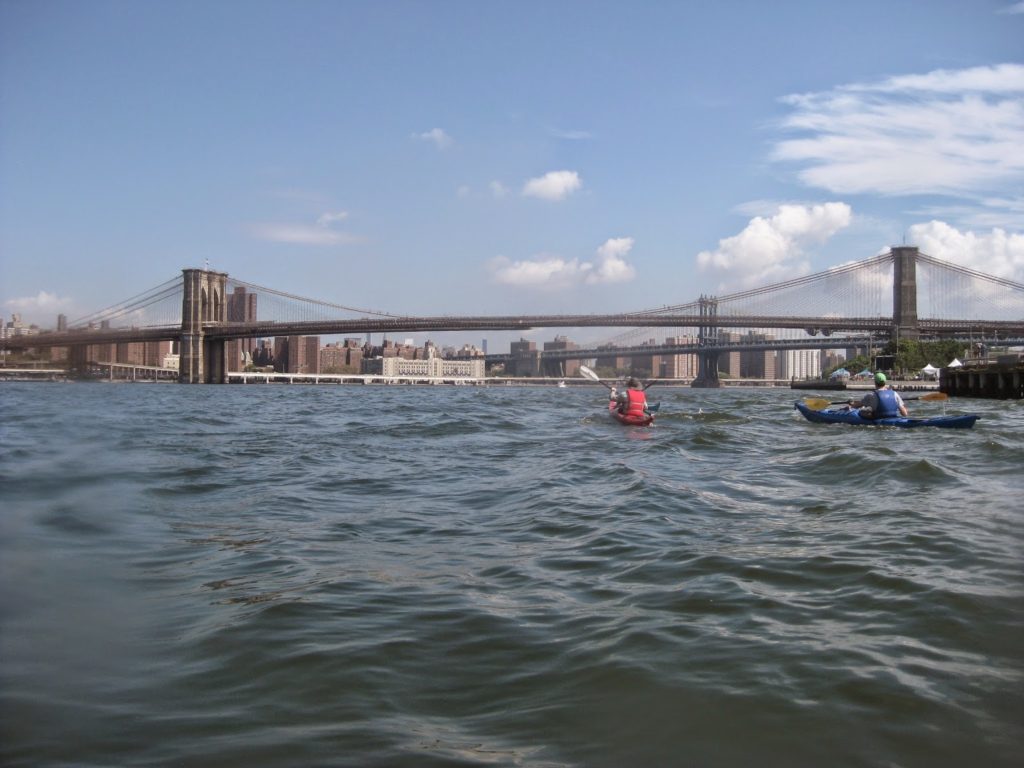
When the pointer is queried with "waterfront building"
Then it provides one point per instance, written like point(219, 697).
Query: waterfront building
point(560, 367)
point(757, 363)
point(799, 364)
point(525, 358)
point(678, 366)
point(297, 354)
point(342, 357)
point(241, 308)
point(729, 363)
point(431, 367)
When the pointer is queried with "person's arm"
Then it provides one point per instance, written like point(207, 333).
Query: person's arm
point(901, 406)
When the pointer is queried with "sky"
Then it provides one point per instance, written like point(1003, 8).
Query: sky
point(520, 157)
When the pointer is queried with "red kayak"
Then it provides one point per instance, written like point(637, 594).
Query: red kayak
point(634, 421)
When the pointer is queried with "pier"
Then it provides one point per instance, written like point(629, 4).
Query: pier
point(1002, 378)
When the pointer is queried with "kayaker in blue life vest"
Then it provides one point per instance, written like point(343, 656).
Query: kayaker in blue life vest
point(883, 403)
point(633, 401)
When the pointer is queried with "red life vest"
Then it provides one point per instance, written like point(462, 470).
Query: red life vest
point(636, 402)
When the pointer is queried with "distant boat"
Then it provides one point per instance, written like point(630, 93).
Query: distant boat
point(561, 385)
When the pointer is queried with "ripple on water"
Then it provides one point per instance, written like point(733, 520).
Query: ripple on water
point(432, 576)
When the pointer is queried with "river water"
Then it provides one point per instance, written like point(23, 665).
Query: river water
point(459, 576)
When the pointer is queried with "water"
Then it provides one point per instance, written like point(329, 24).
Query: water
point(455, 576)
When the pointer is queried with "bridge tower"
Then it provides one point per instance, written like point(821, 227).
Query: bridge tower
point(204, 301)
point(904, 293)
point(707, 334)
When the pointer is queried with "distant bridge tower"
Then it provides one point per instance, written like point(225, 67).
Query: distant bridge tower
point(904, 293)
point(204, 301)
point(707, 334)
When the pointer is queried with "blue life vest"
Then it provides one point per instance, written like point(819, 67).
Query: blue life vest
point(887, 407)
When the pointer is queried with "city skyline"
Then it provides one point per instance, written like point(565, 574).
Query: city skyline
point(430, 159)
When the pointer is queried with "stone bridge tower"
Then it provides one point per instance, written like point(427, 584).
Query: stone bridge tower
point(904, 293)
point(201, 360)
point(707, 362)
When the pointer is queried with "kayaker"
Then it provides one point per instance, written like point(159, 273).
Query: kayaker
point(883, 403)
point(633, 401)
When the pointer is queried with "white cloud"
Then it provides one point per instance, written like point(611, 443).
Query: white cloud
point(995, 253)
point(1012, 9)
point(611, 266)
point(553, 272)
point(545, 271)
point(42, 302)
point(437, 136)
point(498, 189)
point(327, 219)
point(555, 185)
point(301, 234)
point(772, 249)
point(955, 132)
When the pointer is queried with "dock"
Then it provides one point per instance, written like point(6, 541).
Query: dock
point(1002, 378)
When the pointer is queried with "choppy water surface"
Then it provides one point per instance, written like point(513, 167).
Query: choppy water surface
point(454, 576)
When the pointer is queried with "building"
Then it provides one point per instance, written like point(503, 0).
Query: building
point(679, 366)
point(830, 359)
point(431, 367)
point(560, 368)
point(729, 363)
point(342, 357)
point(525, 358)
point(241, 308)
point(297, 354)
point(608, 357)
point(799, 364)
point(758, 363)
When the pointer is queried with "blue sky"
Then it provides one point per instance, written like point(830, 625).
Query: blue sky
point(500, 157)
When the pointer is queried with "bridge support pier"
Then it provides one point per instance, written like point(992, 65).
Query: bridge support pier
point(707, 371)
point(203, 302)
point(78, 359)
point(707, 362)
point(904, 293)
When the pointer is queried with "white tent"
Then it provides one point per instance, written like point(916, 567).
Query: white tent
point(930, 371)
point(955, 364)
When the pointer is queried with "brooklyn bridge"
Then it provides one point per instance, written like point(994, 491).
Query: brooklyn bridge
point(900, 294)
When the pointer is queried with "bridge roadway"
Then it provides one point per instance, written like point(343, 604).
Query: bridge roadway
point(834, 342)
point(234, 330)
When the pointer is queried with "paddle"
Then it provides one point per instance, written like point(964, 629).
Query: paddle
point(818, 403)
point(593, 376)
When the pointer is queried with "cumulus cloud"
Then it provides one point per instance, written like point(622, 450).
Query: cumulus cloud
point(437, 137)
point(771, 249)
point(553, 272)
point(555, 185)
point(611, 265)
point(995, 253)
point(301, 234)
point(954, 132)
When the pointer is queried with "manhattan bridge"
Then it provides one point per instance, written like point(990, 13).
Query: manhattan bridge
point(900, 294)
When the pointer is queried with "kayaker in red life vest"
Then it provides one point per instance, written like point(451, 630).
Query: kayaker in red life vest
point(633, 401)
point(883, 403)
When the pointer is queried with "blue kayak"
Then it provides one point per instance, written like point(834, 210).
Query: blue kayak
point(845, 415)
